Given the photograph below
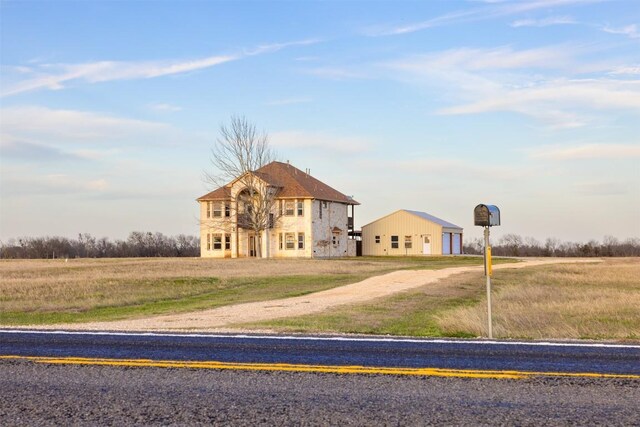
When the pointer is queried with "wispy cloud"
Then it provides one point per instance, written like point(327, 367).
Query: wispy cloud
point(336, 73)
point(56, 76)
point(524, 81)
point(630, 31)
point(490, 10)
point(40, 123)
point(544, 22)
point(164, 107)
point(587, 151)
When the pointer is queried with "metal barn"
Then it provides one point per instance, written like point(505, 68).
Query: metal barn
point(407, 232)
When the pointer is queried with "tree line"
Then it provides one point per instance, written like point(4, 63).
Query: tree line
point(137, 244)
point(515, 245)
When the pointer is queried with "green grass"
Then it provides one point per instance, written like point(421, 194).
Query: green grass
point(411, 313)
point(202, 293)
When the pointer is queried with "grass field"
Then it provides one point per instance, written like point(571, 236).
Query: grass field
point(583, 301)
point(81, 290)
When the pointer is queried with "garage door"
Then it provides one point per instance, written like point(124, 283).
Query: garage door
point(457, 243)
point(446, 243)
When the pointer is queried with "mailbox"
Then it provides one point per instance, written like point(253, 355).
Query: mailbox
point(486, 215)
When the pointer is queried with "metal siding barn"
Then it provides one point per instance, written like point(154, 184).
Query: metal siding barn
point(406, 232)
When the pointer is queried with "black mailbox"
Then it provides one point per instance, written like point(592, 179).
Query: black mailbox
point(486, 215)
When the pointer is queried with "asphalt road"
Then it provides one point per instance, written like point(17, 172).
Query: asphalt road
point(53, 389)
point(364, 351)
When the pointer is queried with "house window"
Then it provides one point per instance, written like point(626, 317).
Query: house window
point(217, 242)
point(227, 242)
point(320, 210)
point(208, 241)
point(290, 240)
point(281, 245)
point(407, 242)
point(208, 209)
point(300, 204)
point(394, 242)
point(300, 240)
point(217, 209)
point(227, 210)
point(289, 207)
point(377, 239)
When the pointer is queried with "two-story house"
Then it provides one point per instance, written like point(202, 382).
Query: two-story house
point(307, 218)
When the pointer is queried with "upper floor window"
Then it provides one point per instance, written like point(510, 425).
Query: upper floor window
point(227, 209)
point(300, 204)
point(217, 209)
point(394, 242)
point(289, 206)
point(208, 209)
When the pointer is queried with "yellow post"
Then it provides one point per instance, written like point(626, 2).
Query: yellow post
point(489, 264)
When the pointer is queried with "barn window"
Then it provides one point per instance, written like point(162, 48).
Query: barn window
point(377, 239)
point(394, 242)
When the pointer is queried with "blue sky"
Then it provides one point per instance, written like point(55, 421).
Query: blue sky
point(109, 109)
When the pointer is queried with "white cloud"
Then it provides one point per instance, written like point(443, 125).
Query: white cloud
point(336, 73)
point(42, 123)
point(630, 31)
point(164, 107)
point(628, 70)
point(544, 22)
point(587, 151)
point(489, 11)
point(503, 57)
point(55, 76)
point(296, 140)
point(558, 94)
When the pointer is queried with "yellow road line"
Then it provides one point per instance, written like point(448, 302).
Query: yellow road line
point(435, 372)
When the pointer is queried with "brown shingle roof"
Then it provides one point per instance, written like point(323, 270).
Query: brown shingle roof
point(293, 182)
point(222, 193)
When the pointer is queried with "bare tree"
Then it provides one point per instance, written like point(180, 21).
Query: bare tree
point(237, 154)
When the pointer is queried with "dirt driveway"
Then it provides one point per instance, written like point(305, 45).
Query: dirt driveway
point(222, 318)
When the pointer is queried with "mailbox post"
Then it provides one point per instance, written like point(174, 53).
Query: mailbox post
point(487, 216)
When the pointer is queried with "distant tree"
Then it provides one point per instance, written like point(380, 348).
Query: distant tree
point(239, 151)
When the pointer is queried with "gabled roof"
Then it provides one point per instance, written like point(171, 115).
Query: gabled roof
point(222, 193)
point(432, 218)
point(293, 183)
point(423, 215)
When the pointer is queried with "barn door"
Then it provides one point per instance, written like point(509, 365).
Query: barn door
point(426, 245)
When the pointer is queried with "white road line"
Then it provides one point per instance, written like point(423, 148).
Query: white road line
point(316, 338)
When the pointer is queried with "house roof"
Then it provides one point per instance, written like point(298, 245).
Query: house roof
point(293, 183)
point(422, 215)
point(222, 193)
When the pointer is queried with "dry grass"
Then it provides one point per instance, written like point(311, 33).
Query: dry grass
point(175, 284)
point(560, 301)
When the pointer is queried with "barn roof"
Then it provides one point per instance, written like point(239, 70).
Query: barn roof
point(432, 218)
